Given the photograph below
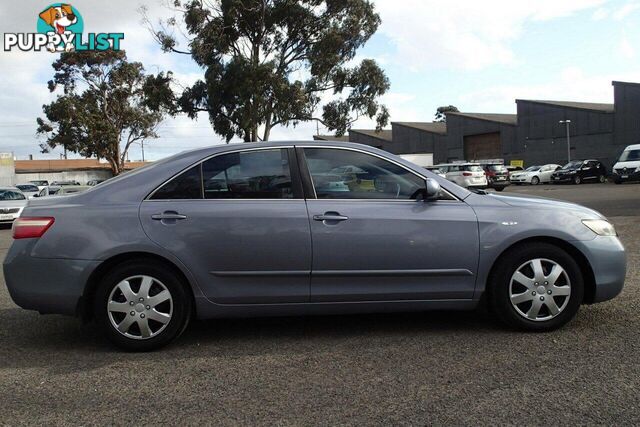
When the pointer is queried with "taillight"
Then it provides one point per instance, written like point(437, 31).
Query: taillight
point(467, 174)
point(28, 228)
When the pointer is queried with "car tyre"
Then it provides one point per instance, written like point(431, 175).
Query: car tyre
point(577, 180)
point(499, 188)
point(502, 288)
point(535, 180)
point(175, 309)
point(602, 179)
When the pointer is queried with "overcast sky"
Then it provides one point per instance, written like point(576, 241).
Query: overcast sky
point(477, 55)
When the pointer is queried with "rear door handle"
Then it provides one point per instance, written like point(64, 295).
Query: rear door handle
point(168, 215)
point(330, 216)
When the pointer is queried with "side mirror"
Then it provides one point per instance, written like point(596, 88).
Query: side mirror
point(432, 189)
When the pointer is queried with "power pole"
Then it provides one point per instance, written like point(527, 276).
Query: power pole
point(567, 122)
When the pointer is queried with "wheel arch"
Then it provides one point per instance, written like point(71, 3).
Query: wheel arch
point(580, 258)
point(84, 304)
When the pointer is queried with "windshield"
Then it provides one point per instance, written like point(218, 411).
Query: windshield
point(11, 195)
point(573, 165)
point(497, 168)
point(472, 168)
point(533, 168)
point(629, 156)
point(40, 182)
point(27, 187)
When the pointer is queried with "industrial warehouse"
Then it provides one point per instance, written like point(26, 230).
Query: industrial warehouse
point(537, 134)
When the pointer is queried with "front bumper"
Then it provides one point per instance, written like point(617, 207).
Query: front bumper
point(45, 284)
point(562, 179)
point(608, 261)
point(625, 177)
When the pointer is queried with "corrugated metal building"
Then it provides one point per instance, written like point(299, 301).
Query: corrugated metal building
point(534, 134)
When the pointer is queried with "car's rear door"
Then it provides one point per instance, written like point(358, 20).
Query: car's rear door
point(373, 241)
point(239, 222)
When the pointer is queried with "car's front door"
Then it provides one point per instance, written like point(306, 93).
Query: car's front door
point(373, 241)
point(239, 222)
point(589, 170)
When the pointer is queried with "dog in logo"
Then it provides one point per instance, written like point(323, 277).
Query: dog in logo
point(59, 18)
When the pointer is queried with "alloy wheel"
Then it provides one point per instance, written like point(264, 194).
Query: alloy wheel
point(540, 289)
point(140, 307)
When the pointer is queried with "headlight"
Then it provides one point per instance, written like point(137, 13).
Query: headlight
point(573, 171)
point(601, 227)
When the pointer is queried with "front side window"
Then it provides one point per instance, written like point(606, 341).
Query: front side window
point(260, 174)
point(345, 174)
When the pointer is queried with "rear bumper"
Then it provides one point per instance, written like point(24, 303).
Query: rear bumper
point(609, 264)
point(43, 284)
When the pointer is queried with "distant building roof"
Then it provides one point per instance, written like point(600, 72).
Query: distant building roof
point(60, 165)
point(344, 138)
point(433, 127)
point(510, 119)
point(384, 134)
point(570, 104)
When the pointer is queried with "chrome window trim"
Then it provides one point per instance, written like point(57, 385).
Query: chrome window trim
point(284, 147)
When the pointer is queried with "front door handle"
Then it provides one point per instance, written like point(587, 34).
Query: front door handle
point(330, 216)
point(168, 215)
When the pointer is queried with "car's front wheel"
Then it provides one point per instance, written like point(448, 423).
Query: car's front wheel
point(142, 305)
point(535, 180)
point(537, 287)
point(577, 180)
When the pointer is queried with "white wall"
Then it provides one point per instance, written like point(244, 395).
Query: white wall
point(81, 176)
point(7, 170)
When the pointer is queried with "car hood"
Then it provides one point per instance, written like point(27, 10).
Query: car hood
point(631, 165)
point(532, 202)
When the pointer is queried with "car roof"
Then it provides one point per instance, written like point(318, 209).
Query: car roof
point(5, 188)
point(632, 147)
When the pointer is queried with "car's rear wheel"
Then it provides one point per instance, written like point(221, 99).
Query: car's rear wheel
point(602, 179)
point(535, 180)
point(537, 287)
point(577, 180)
point(142, 305)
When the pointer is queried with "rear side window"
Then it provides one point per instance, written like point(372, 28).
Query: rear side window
point(187, 185)
point(259, 174)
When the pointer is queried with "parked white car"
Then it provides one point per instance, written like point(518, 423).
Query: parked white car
point(534, 175)
point(436, 170)
point(465, 174)
point(29, 190)
point(627, 168)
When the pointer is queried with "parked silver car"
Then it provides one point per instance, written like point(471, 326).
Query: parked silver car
point(271, 229)
point(12, 202)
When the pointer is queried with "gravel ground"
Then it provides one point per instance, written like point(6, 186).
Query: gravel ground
point(430, 368)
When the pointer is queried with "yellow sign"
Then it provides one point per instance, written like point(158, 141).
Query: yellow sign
point(517, 163)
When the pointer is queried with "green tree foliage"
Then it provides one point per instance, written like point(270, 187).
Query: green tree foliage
point(105, 105)
point(441, 112)
point(269, 63)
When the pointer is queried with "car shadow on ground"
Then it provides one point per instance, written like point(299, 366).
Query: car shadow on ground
point(82, 344)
